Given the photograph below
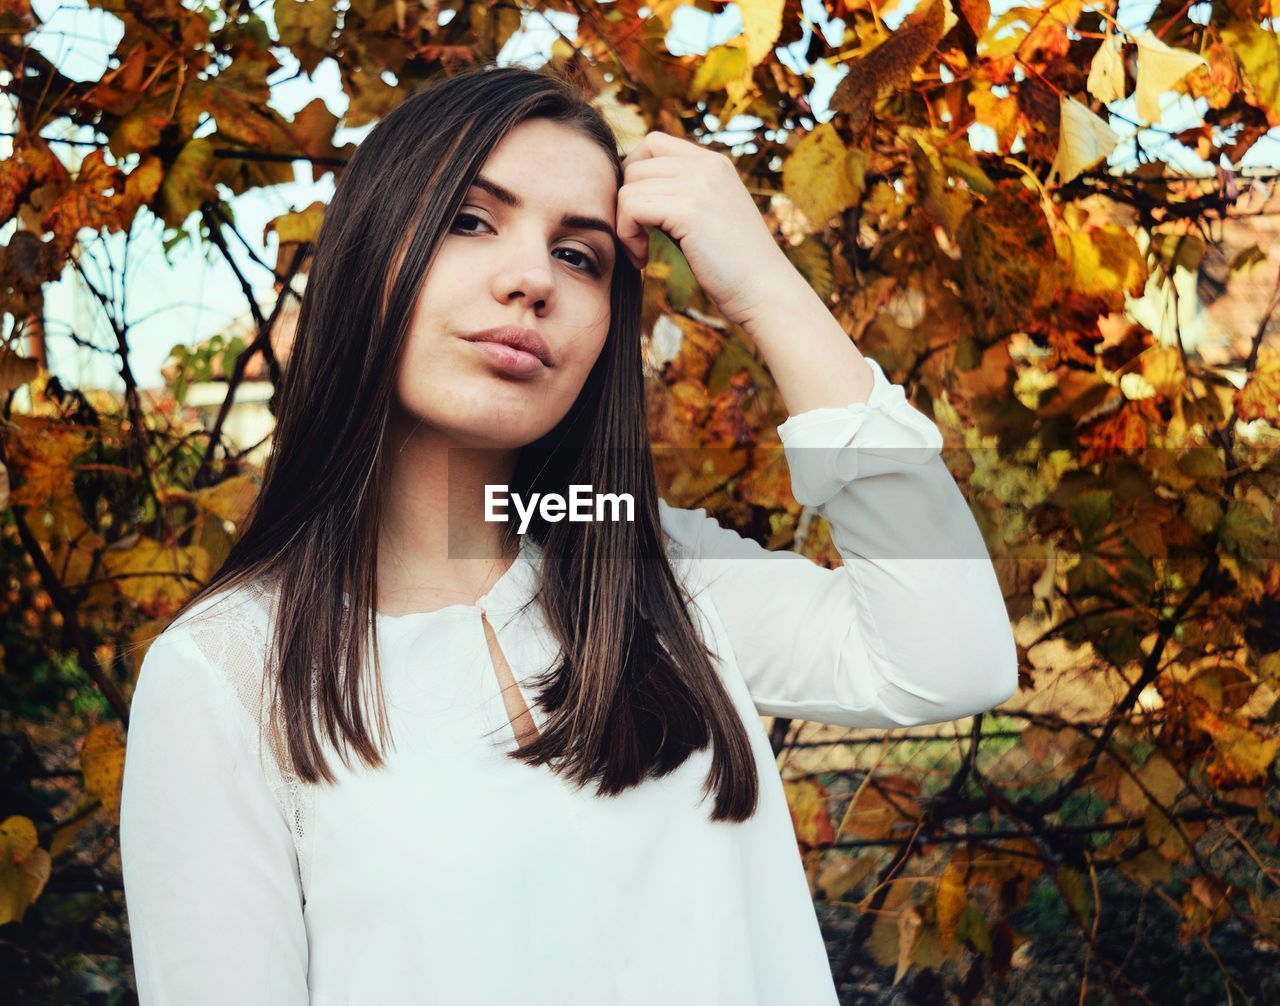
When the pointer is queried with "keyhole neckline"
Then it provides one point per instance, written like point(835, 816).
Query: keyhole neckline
point(504, 595)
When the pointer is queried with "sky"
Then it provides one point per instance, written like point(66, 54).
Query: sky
point(190, 293)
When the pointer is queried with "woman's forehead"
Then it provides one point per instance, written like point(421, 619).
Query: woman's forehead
point(545, 161)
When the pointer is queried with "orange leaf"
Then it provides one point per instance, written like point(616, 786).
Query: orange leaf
point(807, 800)
point(93, 201)
point(1260, 397)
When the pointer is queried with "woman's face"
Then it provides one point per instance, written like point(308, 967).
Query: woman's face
point(511, 258)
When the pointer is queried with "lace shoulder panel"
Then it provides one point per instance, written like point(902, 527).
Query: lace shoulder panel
point(232, 630)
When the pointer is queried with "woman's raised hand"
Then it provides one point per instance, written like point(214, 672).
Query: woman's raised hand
point(695, 196)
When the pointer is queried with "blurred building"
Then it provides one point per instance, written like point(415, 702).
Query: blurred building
point(249, 422)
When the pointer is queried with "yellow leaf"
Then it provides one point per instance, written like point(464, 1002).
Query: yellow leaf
point(1148, 867)
point(41, 455)
point(1106, 72)
point(723, 65)
point(1084, 139)
point(142, 184)
point(102, 763)
point(307, 27)
point(1162, 367)
point(947, 204)
point(884, 931)
point(1105, 263)
point(188, 182)
point(24, 868)
point(817, 176)
point(298, 226)
point(761, 24)
point(628, 124)
point(951, 899)
point(813, 259)
point(231, 499)
point(1258, 50)
point(158, 577)
point(1160, 67)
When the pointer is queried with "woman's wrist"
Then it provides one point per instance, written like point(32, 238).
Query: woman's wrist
point(812, 359)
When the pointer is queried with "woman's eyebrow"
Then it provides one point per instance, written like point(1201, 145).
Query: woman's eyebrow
point(568, 220)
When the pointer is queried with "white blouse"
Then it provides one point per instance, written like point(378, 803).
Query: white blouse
point(457, 875)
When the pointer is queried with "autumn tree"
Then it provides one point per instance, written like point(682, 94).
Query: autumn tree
point(1126, 487)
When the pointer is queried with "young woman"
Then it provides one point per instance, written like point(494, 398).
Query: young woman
point(562, 791)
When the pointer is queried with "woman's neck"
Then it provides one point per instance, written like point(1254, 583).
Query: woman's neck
point(435, 547)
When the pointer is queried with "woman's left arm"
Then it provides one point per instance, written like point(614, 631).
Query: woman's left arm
point(913, 628)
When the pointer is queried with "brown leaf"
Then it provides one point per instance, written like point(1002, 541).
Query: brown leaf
point(311, 133)
point(976, 14)
point(15, 177)
point(889, 65)
point(15, 371)
point(1007, 246)
point(910, 926)
point(306, 29)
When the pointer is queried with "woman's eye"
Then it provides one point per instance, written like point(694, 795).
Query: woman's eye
point(466, 216)
point(587, 262)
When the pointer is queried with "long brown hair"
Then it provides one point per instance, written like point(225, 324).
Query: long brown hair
point(635, 692)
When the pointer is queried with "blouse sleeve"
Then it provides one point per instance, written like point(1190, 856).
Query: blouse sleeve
point(912, 628)
point(211, 883)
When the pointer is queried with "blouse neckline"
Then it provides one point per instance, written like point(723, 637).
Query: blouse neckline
point(506, 594)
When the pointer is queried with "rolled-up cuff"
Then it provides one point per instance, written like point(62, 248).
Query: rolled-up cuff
point(827, 448)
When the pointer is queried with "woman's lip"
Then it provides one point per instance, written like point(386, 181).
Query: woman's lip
point(507, 359)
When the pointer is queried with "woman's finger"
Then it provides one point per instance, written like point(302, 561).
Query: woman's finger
point(641, 205)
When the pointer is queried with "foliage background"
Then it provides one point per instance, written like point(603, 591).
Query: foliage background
point(1111, 836)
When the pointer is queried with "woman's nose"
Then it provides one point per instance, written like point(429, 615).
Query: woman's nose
point(527, 272)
